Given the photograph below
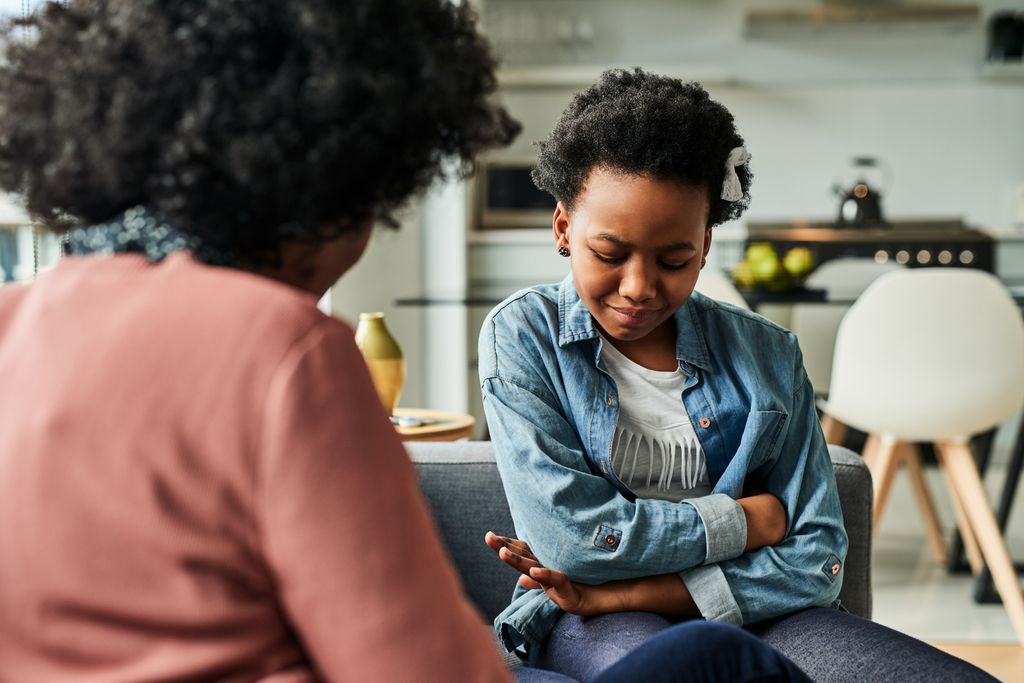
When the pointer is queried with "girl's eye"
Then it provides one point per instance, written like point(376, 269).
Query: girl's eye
point(614, 260)
point(674, 266)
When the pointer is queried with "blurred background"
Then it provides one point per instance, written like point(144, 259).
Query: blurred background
point(887, 130)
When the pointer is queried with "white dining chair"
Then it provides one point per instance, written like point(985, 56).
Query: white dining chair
point(935, 355)
point(816, 326)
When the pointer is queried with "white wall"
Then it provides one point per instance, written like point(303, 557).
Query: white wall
point(915, 96)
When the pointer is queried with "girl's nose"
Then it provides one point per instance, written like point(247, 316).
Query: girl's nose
point(637, 283)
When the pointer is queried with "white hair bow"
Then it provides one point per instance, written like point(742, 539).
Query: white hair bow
point(731, 188)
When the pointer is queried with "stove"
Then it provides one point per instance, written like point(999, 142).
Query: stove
point(912, 243)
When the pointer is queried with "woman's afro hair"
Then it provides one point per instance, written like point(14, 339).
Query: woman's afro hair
point(640, 123)
point(247, 124)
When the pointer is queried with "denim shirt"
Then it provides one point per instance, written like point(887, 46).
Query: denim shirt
point(552, 409)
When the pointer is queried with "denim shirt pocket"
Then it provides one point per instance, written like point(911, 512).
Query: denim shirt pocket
point(761, 440)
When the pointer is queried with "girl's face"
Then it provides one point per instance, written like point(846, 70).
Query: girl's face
point(637, 244)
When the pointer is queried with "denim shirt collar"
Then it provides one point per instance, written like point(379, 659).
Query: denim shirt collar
point(576, 324)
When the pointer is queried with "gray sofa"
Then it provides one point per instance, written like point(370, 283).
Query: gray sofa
point(461, 483)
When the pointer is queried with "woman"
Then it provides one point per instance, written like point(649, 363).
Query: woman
point(660, 450)
point(196, 481)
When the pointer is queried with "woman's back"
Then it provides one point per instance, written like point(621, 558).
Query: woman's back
point(185, 494)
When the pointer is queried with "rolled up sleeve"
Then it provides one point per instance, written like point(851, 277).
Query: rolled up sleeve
point(725, 526)
point(711, 593)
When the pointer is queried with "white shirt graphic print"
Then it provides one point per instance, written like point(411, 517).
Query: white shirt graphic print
point(655, 450)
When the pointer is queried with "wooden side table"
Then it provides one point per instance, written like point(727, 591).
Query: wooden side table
point(442, 427)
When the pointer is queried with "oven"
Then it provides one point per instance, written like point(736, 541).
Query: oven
point(911, 243)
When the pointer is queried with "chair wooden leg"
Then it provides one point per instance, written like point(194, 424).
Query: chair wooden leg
point(833, 429)
point(971, 548)
point(882, 463)
point(925, 503)
point(964, 473)
point(870, 448)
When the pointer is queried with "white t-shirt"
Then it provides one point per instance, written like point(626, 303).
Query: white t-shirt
point(655, 450)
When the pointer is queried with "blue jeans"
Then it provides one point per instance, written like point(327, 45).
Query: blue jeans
point(826, 645)
point(837, 646)
point(639, 646)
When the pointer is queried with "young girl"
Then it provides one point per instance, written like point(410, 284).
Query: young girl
point(660, 450)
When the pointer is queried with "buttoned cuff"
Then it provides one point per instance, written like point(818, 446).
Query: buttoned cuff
point(725, 526)
point(712, 595)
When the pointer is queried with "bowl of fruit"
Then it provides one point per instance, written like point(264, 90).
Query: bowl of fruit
point(763, 268)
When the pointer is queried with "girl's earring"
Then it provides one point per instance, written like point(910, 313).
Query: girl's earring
point(563, 251)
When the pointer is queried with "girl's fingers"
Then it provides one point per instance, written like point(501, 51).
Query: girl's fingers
point(528, 583)
point(521, 548)
point(549, 578)
point(494, 541)
point(523, 564)
point(558, 587)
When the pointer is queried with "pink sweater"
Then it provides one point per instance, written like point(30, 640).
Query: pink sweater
point(197, 483)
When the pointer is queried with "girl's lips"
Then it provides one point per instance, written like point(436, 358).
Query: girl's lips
point(634, 316)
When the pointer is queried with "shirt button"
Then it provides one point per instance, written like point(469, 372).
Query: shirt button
point(835, 568)
point(610, 401)
point(705, 422)
point(609, 540)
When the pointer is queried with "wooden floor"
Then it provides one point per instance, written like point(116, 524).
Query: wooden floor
point(1005, 661)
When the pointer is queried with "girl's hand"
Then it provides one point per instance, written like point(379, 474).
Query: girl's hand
point(662, 594)
point(570, 596)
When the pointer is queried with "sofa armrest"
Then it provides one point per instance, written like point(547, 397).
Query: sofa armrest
point(855, 499)
point(460, 482)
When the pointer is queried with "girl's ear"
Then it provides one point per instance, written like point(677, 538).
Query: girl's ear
point(560, 221)
point(707, 243)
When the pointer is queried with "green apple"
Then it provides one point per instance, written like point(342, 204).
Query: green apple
point(764, 266)
point(742, 275)
point(799, 262)
point(759, 250)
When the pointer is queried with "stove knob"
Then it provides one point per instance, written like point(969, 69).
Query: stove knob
point(903, 257)
point(924, 257)
point(967, 257)
point(881, 256)
point(945, 257)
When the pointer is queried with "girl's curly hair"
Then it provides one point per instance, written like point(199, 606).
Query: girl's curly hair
point(247, 124)
point(644, 124)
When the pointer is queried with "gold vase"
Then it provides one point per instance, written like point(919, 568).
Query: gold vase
point(383, 357)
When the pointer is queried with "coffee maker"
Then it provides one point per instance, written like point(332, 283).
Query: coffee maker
point(860, 199)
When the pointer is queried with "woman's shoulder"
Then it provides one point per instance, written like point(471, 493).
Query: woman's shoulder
point(260, 306)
